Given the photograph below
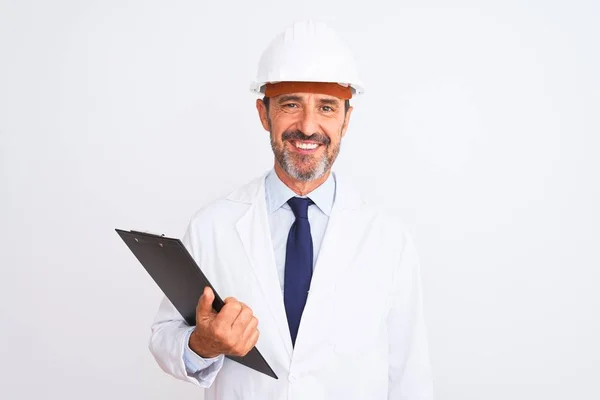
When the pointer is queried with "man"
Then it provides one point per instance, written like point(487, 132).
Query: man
point(334, 282)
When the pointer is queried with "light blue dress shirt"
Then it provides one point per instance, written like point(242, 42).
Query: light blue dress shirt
point(281, 218)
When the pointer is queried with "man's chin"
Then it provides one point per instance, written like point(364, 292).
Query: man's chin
point(303, 167)
point(304, 174)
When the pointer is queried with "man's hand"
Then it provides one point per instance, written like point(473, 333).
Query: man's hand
point(231, 332)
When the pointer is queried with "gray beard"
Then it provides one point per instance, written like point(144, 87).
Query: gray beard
point(286, 162)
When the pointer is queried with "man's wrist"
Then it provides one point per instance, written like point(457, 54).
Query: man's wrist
point(194, 346)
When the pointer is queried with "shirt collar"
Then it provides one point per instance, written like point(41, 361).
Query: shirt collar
point(277, 193)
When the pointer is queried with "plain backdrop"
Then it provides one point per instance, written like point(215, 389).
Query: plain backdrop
point(480, 127)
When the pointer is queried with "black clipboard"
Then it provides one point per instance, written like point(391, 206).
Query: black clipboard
point(176, 273)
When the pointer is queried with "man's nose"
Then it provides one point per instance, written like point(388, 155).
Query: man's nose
point(309, 123)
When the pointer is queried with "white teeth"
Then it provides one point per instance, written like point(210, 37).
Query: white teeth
point(306, 146)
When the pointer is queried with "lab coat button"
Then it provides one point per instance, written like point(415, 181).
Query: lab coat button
point(292, 378)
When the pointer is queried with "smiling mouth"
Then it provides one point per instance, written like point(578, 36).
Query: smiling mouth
point(305, 145)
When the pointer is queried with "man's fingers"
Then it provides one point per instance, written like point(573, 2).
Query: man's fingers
point(205, 302)
point(253, 339)
point(243, 318)
point(247, 343)
point(228, 314)
point(248, 338)
point(249, 328)
point(230, 331)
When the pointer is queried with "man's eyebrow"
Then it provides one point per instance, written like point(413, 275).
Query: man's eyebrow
point(333, 102)
point(283, 99)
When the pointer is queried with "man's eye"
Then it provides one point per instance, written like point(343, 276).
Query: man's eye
point(327, 108)
point(290, 105)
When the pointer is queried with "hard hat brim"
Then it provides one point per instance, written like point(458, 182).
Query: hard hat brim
point(259, 87)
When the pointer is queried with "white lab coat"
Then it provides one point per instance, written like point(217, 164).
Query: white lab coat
point(362, 334)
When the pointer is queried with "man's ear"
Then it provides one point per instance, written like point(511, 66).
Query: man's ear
point(261, 107)
point(346, 120)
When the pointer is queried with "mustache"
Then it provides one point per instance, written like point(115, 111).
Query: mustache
point(299, 135)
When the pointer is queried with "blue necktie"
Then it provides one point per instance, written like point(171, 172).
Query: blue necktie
point(298, 264)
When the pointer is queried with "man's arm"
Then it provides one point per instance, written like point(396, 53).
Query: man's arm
point(169, 344)
point(195, 363)
point(175, 345)
point(169, 341)
point(409, 366)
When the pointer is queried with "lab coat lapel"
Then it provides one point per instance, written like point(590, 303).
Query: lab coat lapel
point(253, 228)
point(341, 243)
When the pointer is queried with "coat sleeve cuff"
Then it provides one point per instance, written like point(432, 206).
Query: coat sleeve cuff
point(203, 369)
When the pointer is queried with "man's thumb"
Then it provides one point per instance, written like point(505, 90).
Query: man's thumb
point(206, 300)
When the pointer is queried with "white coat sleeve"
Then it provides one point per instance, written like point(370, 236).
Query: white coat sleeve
point(410, 376)
point(169, 346)
point(196, 365)
point(169, 340)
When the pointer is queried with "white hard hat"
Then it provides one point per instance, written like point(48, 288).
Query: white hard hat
point(307, 51)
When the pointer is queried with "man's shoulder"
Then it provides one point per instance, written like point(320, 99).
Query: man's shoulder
point(386, 217)
point(355, 196)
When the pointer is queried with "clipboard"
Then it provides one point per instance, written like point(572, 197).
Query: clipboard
point(176, 273)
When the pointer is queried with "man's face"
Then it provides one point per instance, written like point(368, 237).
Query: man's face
point(306, 131)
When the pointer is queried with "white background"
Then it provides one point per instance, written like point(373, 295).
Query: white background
point(480, 127)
